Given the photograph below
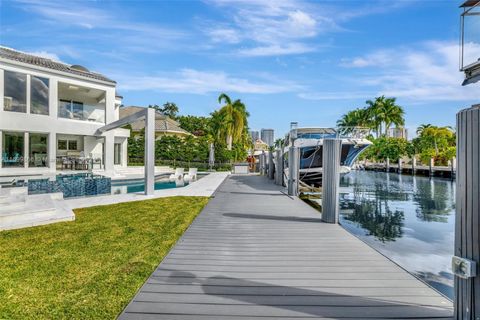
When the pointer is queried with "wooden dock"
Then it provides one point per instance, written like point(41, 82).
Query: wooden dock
point(255, 253)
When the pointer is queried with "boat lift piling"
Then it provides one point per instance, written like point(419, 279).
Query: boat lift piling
point(465, 263)
point(293, 170)
point(332, 149)
point(270, 165)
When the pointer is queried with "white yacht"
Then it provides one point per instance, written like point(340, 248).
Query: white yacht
point(310, 142)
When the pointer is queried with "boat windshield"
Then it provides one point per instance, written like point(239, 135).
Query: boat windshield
point(316, 135)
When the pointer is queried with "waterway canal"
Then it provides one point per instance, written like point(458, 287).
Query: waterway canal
point(408, 219)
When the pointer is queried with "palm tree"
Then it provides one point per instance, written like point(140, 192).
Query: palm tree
point(233, 120)
point(278, 143)
point(422, 128)
point(384, 112)
point(436, 134)
point(356, 118)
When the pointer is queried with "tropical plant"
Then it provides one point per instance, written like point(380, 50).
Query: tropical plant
point(387, 148)
point(436, 142)
point(198, 126)
point(279, 143)
point(232, 120)
point(423, 127)
point(378, 115)
point(359, 117)
point(383, 113)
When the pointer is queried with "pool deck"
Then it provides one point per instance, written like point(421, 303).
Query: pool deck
point(255, 253)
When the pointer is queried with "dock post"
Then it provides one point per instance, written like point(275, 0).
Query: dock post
point(293, 170)
point(430, 166)
point(279, 168)
point(466, 261)
point(387, 165)
point(453, 168)
point(261, 163)
point(331, 179)
point(277, 156)
point(414, 165)
point(270, 165)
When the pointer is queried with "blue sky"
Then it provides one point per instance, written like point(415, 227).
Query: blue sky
point(287, 60)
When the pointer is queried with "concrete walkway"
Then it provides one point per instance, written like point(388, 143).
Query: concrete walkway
point(255, 253)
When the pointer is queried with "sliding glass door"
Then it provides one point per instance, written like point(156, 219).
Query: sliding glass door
point(13, 147)
point(38, 143)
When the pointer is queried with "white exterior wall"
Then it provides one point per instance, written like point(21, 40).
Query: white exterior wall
point(53, 125)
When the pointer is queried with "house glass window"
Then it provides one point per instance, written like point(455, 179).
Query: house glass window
point(62, 145)
point(15, 91)
point(39, 95)
point(38, 149)
point(72, 145)
point(13, 149)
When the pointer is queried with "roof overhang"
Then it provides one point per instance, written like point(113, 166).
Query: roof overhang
point(25, 65)
point(470, 3)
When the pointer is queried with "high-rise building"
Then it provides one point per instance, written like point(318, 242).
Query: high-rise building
point(267, 136)
point(254, 135)
point(399, 133)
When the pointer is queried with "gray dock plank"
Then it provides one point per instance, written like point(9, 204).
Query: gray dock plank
point(255, 253)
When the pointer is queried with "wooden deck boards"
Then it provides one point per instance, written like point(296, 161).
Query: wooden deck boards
point(255, 253)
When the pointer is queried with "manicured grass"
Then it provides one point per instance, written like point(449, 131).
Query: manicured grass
point(92, 267)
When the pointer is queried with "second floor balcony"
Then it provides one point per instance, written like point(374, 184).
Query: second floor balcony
point(81, 103)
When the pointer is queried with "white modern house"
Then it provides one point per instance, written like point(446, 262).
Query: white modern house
point(49, 116)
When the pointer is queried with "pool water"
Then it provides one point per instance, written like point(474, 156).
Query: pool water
point(410, 220)
point(132, 186)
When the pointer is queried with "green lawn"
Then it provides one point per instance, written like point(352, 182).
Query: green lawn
point(92, 267)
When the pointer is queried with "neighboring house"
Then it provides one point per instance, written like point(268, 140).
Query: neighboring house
point(399, 132)
point(164, 126)
point(49, 116)
point(260, 146)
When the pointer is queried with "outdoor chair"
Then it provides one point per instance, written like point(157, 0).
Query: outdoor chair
point(177, 177)
point(191, 175)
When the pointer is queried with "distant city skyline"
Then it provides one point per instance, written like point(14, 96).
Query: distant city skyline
point(305, 61)
point(254, 135)
point(267, 136)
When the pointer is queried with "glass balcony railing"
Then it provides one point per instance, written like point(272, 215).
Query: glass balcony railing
point(80, 111)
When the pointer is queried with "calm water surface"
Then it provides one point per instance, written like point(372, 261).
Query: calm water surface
point(409, 219)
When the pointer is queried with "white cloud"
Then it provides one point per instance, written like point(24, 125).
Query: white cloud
point(270, 27)
point(111, 26)
point(201, 82)
point(228, 35)
point(420, 74)
point(45, 54)
point(267, 27)
point(276, 50)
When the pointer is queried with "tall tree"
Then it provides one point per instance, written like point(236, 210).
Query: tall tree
point(422, 127)
point(353, 119)
point(170, 109)
point(384, 113)
point(232, 120)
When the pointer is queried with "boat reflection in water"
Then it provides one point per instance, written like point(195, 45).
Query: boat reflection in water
point(409, 219)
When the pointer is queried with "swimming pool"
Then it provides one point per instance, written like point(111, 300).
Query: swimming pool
point(71, 185)
point(138, 185)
